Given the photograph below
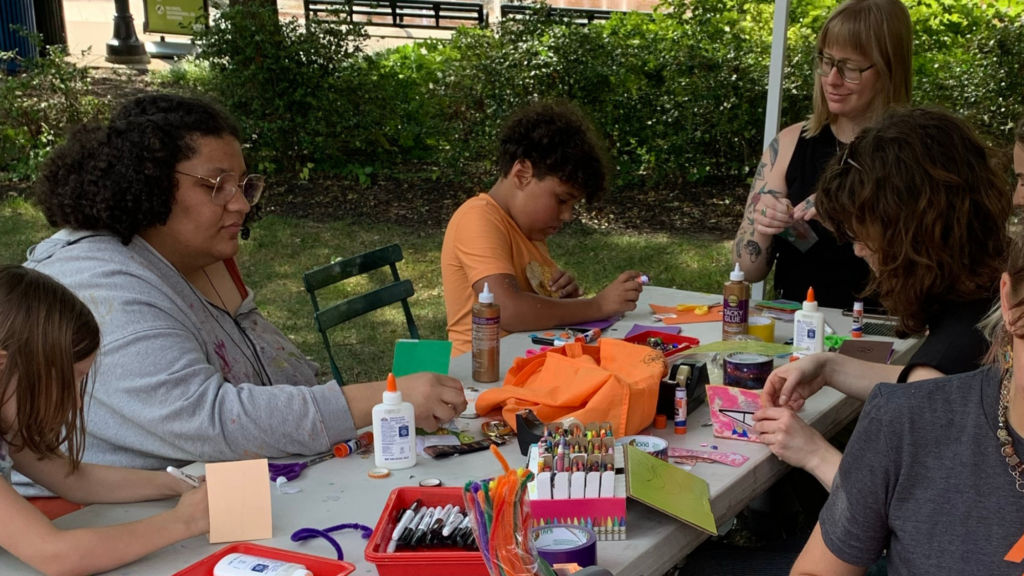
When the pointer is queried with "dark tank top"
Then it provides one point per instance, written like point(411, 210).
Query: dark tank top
point(835, 272)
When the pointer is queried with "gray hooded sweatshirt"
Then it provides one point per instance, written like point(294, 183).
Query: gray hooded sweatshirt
point(179, 380)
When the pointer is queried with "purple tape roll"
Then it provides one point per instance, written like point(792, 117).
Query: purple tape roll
point(566, 544)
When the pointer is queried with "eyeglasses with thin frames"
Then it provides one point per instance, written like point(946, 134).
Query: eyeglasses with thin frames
point(225, 186)
point(823, 65)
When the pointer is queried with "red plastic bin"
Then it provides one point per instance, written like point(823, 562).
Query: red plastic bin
point(685, 342)
point(318, 565)
point(429, 561)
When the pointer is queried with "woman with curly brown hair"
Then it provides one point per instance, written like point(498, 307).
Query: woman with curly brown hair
point(933, 473)
point(151, 205)
point(919, 200)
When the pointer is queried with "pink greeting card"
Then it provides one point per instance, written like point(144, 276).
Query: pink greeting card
point(732, 412)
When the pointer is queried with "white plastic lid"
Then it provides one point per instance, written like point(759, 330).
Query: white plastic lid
point(810, 306)
point(486, 297)
point(737, 275)
point(858, 305)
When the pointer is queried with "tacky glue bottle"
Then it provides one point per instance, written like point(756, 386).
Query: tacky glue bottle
point(735, 305)
point(809, 327)
point(394, 430)
point(486, 337)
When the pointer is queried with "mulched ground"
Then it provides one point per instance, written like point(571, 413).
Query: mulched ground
point(710, 211)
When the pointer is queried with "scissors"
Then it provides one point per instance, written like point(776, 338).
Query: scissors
point(291, 470)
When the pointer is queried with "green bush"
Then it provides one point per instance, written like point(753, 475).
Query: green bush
point(37, 105)
point(679, 94)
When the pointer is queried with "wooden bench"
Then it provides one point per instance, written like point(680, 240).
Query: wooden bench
point(428, 14)
point(581, 16)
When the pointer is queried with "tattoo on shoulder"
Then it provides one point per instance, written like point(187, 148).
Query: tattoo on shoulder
point(773, 151)
point(753, 249)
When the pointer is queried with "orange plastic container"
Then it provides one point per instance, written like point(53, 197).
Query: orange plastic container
point(423, 561)
point(685, 342)
point(318, 565)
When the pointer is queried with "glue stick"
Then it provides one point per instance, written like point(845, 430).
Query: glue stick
point(858, 319)
point(245, 565)
point(681, 410)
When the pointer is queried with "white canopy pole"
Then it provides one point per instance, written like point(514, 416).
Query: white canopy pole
point(773, 109)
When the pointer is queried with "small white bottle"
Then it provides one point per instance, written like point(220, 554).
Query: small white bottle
point(809, 327)
point(245, 565)
point(394, 430)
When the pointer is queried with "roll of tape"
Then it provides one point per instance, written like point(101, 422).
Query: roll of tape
point(378, 473)
point(762, 327)
point(651, 444)
point(566, 544)
point(747, 370)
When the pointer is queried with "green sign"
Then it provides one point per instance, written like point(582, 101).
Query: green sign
point(180, 17)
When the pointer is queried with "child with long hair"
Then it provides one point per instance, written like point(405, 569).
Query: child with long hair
point(48, 340)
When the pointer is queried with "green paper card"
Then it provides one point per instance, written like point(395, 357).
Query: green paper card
point(670, 489)
point(412, 356)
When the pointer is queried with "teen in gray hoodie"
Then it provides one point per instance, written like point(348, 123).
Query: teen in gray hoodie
point(148, 203)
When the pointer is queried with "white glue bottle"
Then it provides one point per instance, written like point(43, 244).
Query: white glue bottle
point(809, 327)
point(245, 565)
point(394, 430)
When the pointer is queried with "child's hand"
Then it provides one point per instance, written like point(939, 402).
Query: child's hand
point(194, 510)
point(564, 284)
point(437, 399)
point(621, 295)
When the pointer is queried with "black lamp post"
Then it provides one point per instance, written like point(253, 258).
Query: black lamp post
point(124, 47)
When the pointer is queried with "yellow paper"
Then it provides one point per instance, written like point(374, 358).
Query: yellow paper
point(239, 501)
point(664, 487)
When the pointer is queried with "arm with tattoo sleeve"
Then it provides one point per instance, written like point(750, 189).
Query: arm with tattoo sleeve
point(766, 214)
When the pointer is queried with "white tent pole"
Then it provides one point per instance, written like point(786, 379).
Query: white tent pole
point(773, 108)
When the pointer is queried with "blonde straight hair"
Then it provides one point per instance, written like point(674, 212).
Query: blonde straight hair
point(879, 30)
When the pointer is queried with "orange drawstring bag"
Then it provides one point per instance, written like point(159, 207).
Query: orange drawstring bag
point(615, 382)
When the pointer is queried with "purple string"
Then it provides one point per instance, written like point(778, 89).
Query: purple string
point(308, 533)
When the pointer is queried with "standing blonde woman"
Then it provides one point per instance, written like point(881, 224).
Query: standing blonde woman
point(862, 66)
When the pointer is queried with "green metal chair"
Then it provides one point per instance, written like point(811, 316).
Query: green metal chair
point(397, 291)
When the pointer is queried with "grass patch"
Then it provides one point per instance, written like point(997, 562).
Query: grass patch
point(282, 249)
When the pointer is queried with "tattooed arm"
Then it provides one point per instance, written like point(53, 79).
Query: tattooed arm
point(767, 211)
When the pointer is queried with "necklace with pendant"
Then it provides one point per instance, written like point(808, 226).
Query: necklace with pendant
point(1003, 433)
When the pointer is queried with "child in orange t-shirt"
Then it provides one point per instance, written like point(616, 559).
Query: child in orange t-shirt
point(550, 158)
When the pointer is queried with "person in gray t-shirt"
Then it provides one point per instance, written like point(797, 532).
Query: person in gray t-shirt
point(932, 473)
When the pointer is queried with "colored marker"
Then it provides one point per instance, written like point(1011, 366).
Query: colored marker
point(680, 410)
point(184, 477)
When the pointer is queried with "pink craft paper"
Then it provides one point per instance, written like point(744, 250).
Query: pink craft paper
point(732, 411)
point(729, 458)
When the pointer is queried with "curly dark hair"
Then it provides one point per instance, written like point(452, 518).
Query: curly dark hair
point(558, 140)
point(919, 190)
point(119, 177)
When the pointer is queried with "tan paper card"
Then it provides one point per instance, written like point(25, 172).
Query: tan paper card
point(239, 501)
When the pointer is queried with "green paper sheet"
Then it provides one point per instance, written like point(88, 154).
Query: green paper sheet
point(767, 348)
point(669, 489)
point(412, 356)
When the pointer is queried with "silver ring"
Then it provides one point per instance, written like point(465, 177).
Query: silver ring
point(764, 212)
